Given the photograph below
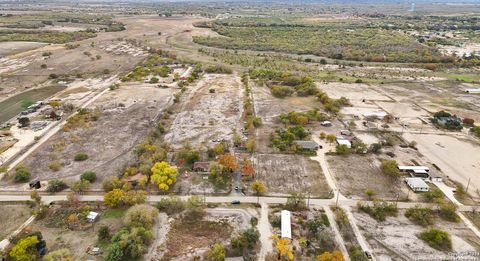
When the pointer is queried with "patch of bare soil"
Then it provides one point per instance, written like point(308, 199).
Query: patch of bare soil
point(283, 173)
point(397, 238)
point(206, 115)
point(355, 173)
point(12, 216)
point(189, 234)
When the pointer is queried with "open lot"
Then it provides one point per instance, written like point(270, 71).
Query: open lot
point(356, 173)
point(450, 154)
point(12, 216)
point(9, 48)
point(207, 116)
point(126, 112)
point(285, 173)
point(397, 238)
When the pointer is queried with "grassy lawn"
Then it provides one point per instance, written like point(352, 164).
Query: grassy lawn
point(114, 213)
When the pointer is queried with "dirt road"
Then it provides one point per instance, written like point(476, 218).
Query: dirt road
point(265, 232)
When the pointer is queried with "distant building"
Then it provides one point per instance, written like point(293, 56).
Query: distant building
point(417, 184)
point(202, 166)
point(307, 144)
point(286, 225)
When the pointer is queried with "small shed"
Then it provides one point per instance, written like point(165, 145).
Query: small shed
point(286, 224)
point(35, 184)
point(202, 166)
point(92, 216)
point(417, 184)
point(436, 178)
point(307, 144)
point(343, 141)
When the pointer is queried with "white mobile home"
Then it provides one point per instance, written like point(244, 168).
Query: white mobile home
point(418, 169)
point(475, 91)
point(417, 184)
point(286, 225)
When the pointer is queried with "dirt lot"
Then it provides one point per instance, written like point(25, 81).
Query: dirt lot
point(12, 216)
point(396, 238)
point(355, 173)
point(449, 153)
point(269, 107)
point(352, 91)
point(126, 117)
point(284, 173)
point(207, 116)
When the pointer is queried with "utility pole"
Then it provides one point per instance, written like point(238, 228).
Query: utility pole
point(336, 202)
point(468, 184)
point(204, 197)
point(308, 200)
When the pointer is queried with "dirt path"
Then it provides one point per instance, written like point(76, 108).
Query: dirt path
point(160, 229)
point(265, 233)
point(4, 243)
point(338, 236)
point(320, 158)
point(361, 240)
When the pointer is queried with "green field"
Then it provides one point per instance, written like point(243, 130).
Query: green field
point(13, 105)
point(43, 36)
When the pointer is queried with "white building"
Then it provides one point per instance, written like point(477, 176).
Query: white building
point(415, 169)
point(475, 91)
point(92, 216)
point(286, 224)
point(343, 141)
point(417, 184)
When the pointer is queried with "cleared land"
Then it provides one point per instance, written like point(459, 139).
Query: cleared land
point(356, 173)
point(12, 216)
point(206, 116)
point(285, 173)
point(126, 114)
point(397, 238)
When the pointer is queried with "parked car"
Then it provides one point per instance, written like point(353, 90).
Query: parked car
point(368, 255)
point(235, 202)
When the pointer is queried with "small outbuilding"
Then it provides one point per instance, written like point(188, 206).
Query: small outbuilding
point(307, 144)
point(417, 184)
point(343, 141)
point(201, 166)
point(92, 216)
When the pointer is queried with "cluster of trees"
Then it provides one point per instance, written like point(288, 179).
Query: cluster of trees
point(27, 247)
point(282, 138)
point(332, 105)
point(131, 241)
point(379, 210)
point(217, 68)
point(437, 239)
point(248, 113)
point(302, 118)
point(362, 44)
point(44, 36)
point(447, 120)
point(82, 119)
point(120, 197)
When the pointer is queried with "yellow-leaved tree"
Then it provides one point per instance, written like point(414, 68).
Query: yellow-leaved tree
point(163, 175)
point(334, 256)
point(284, 247)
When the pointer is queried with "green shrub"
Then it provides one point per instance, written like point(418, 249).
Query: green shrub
point(81, 156)
point(380, 210)
point(55, 166)
point(171, 205)
point(447, 211)
point(437, 239)
point(89, 175)
point(281, 91)
point(420, 216)
point(56, 185)
point(21, 174)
